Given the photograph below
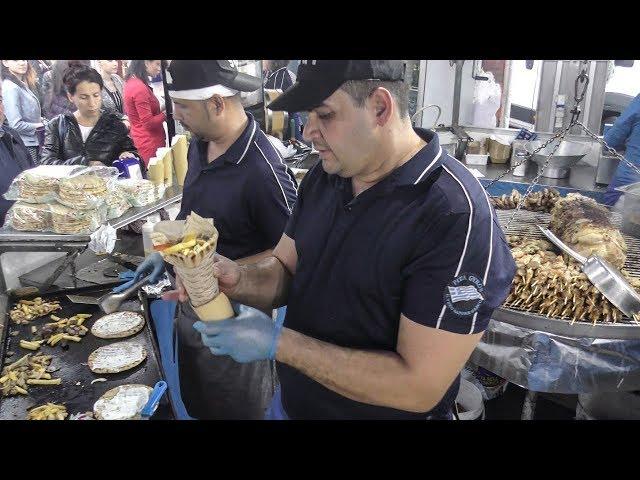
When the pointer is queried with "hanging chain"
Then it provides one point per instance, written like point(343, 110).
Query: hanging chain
point(528, 155)
point(537, 177)
point(584, 78)
point(575, 114)
point(608, 148)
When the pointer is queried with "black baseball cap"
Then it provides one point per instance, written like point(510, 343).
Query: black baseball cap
point(201, 79)
point(318, 79)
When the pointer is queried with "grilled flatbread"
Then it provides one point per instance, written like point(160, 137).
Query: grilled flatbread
point(118, 325)
point(122, 403)
point(117, 357)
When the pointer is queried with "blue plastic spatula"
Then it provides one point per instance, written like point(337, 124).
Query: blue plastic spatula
point(154, 399)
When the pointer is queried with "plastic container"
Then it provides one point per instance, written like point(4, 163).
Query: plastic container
point(498, 152)
point(476, 159)
point(470, 402)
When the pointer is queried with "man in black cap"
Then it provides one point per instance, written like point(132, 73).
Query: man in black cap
point(238, 178)
point(391, 263)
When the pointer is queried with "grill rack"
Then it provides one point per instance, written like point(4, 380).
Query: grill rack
point(525, 225)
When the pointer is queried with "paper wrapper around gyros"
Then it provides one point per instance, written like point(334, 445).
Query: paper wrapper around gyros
point(195, 264)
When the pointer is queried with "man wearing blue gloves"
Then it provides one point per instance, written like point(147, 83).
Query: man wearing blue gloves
point(390, 265)
point(236, 177)
point(625, 132)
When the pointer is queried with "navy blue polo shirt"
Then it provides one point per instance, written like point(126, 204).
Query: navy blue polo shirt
point(423, 242)
point(248, 192)
point(282, 79)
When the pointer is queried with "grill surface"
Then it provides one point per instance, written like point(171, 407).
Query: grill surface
point(72, 364)
point(525, 224)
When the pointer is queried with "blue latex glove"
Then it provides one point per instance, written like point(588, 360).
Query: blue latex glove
point(248, 337)
point(153, 266)
point(128, 275)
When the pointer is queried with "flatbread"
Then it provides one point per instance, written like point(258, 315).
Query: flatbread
point(138, 192)
point(83, 191)
point(30, 217)
point(124, 402)
point(118, 325)
point(117, 357)
point(70, 220)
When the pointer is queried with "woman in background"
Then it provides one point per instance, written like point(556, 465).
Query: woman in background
point(54, 93)
point(21, 104)
point(113, 86)
point(88, 136)
point(143, 108)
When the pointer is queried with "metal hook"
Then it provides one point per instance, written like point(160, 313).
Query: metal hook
point(420, 110)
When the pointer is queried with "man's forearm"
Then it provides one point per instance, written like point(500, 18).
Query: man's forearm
point(255, 258)
point(263, 285)
point(375, 377)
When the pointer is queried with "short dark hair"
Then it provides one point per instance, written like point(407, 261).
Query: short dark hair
point(75, 74)
point(278, 64)
point(57, 73)
point(360, 90)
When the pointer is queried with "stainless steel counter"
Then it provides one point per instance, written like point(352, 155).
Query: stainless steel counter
point(581, 178)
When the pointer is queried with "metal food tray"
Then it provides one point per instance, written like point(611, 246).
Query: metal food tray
point(172, 195)
point(80, 398)
point(525, 224)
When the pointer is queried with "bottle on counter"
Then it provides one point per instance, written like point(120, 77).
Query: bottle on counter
point(147, 229)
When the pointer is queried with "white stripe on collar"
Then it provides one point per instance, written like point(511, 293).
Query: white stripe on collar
point(429, 166)
point(253, 132)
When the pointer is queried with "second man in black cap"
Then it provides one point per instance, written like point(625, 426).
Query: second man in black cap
point(238, 178)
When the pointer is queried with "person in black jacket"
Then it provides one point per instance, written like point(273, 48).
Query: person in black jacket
point(14, 158)
point(87, 136)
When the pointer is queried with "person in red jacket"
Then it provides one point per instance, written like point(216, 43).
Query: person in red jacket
point(143, 108)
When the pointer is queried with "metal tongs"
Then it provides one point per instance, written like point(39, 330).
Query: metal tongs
point(110, 302)
point(604, 276)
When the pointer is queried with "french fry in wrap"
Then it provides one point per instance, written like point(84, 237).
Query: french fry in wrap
point(191, 251)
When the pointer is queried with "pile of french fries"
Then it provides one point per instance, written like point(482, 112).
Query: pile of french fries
point(28, 370)
point(26, 310)
point(49, 411)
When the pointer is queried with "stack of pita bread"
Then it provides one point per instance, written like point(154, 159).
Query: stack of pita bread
point(39, 184)
point(117, 204)
point(74, 221)
point(37, 189)
point(138, 192)
point(35, 217)
point(83, 191)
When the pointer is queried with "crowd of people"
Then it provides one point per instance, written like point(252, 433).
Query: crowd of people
point(68, 112)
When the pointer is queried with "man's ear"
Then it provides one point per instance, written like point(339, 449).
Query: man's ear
point(382, 103)
point(217, 105)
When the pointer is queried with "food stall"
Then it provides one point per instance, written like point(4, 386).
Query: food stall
point(64, 352)
point(543, 349)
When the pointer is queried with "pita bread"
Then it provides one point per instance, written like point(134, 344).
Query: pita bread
point(124, 402)
point(33, 217)
point(69, 220)
point(138, 192)
point(83, 191)
point(118, 325)
point(117, 357)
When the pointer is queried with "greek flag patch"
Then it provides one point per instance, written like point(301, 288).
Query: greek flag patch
point(464, 294)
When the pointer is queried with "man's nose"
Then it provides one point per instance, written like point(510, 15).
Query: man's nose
point(310, 128)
